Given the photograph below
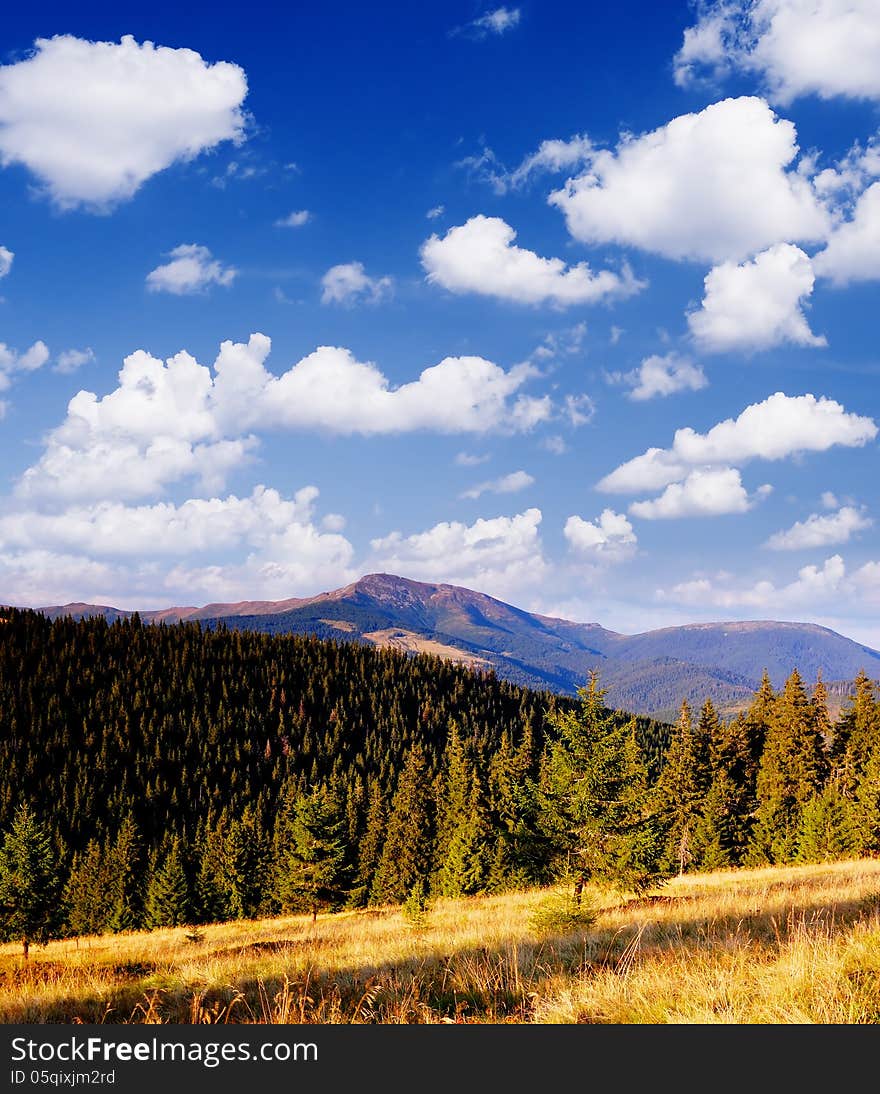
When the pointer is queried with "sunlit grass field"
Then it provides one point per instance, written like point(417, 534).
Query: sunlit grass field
point(777, 945)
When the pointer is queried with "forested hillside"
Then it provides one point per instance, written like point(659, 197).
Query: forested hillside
point(184, 775)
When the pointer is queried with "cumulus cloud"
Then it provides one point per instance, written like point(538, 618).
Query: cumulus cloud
point(176, 419)
point(659, 376)
point(480, 257)
point(756, 305)
point(827, 48)
point(295, 219)
point(710, 492)
point(609, 538)
point(853, 251)
point(715, 186)
point(6, 257)
point(821, 530)
point(69, 360)
point(506, 484)
point(92, 121)
point(349, 283)
point(779, 427)
point(812, 586)
point(497, 556)
point(192, 269)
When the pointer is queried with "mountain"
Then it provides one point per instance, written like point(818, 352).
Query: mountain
point(648, 673)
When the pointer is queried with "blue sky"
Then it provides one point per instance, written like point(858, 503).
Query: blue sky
point(574, 304)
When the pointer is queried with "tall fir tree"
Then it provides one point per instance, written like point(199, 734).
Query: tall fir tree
point(30, 882)
point(313, 863)
point(407, 853)
point(169, 898)
point(680, 791)
point(125, 865)
point(792, 770)
point(597, 806)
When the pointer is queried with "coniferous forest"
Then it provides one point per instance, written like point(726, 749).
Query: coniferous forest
point(166, 775)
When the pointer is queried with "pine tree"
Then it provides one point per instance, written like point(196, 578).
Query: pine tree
point(168, 902)
point(245, 866)
point(30, 883)
point(681, 788)
point(596, 800)
point(791, 772)
point(86, 893)
point(822, 718)
point(722, 833)
point(370, 847)
point(865, 810)
point(856, 734)
point(312, 869)
point(825, 831)
point(406, 856)
point(125, 866)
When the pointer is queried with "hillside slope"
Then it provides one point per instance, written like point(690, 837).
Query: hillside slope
point(647, 673)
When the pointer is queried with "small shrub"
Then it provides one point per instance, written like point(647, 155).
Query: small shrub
point(561, 914)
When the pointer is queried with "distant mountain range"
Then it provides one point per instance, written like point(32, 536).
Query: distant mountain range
point(647, 673)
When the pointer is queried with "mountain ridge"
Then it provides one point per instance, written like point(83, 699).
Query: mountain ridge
point(648, 672)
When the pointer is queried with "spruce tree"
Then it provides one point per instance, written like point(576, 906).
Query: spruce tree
point(597, 807)
point(30, 883)
point(125, 869)
point(406, 856)
point(865, 809)
point(856, 734)
point(312, 869)
point(87, 892)
point(825, 831)
point(168, 901)
point(792, 770)
point(681, 789)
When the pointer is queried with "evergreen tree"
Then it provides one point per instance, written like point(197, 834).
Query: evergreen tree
point(370, 848)
point(825, 831)
point(596, 800)
point(791, 772)
point(168, 902)
point(406, 856)
point(245, 866)
point(86, 893)
point(125, 868)
point(30, 882)
point(865, 810)
point(856, 734)
point(681, 789)
point(312, 870)
point(820, 711)
point(722, 833)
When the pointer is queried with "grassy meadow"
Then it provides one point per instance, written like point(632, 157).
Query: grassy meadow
point(777, 945)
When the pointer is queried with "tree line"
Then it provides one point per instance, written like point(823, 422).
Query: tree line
point(169, 775)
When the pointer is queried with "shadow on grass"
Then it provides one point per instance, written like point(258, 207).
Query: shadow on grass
point(473, 984)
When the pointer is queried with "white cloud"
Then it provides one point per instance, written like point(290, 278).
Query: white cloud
point(853, 251)
point(349, 283)
point(192, 269)
point(610, 537)
point(829, 500)
point(756, 305)
point(166, 421)
point(552, 156)
point(294, 220)
point(94, 120)
point(469, 459)
point(710, 492)
point(498, 556)
point(481, 257)
point(821, 531)
point(579, 409)
point(6, 257)
point(812, 586)
point(800, 47)
point(69, 360)
point(498, 21)
point(555, 444)
point(436, 211)
point(779, 427)
point(711, 186)
point(661, 376)
point(284, 552)
point(507, 484)
point(13, 362)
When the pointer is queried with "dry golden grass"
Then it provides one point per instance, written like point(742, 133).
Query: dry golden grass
point(800, 944)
